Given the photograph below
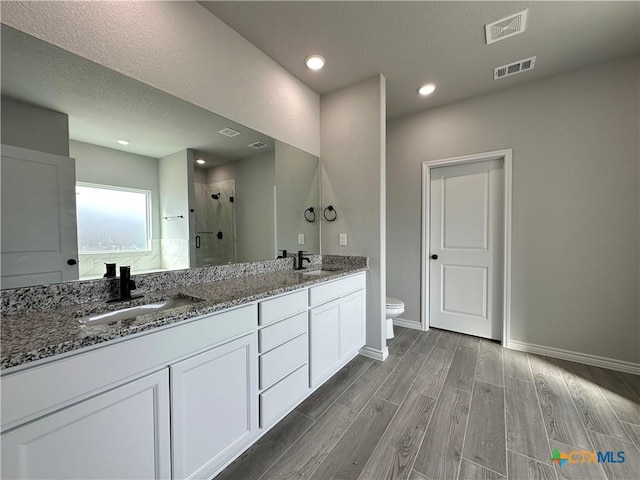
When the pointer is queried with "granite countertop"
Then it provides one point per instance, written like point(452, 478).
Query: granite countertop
point(37, 335)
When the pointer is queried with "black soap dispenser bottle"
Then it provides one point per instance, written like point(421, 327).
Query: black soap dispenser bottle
point(111, 270)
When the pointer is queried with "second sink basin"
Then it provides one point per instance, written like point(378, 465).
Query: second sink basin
point(133, 312)
point(316, 272)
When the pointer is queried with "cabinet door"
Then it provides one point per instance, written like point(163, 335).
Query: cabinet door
point(352, 323)
point(324, 343)
point(123, 433)
point(214, 409)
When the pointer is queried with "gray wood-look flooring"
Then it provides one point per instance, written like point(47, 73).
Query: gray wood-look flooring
point(453, 407)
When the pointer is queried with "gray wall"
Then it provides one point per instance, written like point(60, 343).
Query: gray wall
point(182, 49)
point(36, 128)
point(575, 252)
point(352, 126)
point(200, 175)
point(297, 180)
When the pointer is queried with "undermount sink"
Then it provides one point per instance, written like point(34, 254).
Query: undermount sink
point(133, 312)
point(316, 272)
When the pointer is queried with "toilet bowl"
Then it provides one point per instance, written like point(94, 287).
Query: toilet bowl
point(394, 308)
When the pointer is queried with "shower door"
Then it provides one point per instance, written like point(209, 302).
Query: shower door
point(215, 219)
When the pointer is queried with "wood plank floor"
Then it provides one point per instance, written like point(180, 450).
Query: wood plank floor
point(453, 407)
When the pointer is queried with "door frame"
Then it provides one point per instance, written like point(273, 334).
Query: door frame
point(506, 156)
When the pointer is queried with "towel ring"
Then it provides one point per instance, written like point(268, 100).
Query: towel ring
point(310, 215)
point(330, 209)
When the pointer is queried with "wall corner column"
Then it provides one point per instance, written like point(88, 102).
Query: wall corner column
point(353, 158)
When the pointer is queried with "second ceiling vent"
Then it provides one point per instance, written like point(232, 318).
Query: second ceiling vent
point(228, 132)
point(513, 68)
point(506, 27)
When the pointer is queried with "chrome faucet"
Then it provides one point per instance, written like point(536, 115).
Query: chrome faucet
point(301, 260)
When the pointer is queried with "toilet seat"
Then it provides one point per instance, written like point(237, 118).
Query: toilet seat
point(394, 303)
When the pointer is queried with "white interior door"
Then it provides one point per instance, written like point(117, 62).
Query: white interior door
point(466, 231)
point(39, 236)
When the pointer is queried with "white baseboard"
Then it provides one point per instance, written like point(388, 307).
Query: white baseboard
point(374, 353)
point(401, 322)
point(586, 358)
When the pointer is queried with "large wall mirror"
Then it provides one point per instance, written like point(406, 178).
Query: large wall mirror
point(188, 189)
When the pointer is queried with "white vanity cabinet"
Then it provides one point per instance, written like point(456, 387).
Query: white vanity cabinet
point(105, 413)
point(337, 325)
point(214, 409)
point(181, 401)
point(123, 433)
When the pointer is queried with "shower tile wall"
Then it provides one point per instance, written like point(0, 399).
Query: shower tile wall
point(91, 265)
point(175, 253)
point(215, 218)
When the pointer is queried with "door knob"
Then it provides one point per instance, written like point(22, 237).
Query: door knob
point(71, 261)
point(434, 257)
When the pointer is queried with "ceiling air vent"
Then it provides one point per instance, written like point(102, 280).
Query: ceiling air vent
point(258, 145)
point(513, 68)
point(505, 28)
point(228, 132)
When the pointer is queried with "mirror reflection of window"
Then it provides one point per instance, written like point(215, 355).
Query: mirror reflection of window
point(112, 219)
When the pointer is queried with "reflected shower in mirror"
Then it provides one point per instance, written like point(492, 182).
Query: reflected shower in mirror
point(100, 129)
point(248, 208)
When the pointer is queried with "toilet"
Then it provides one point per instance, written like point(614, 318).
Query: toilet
point(394, 308)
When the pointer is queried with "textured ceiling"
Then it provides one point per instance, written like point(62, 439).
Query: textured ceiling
point(412, 43)
point(104, 106)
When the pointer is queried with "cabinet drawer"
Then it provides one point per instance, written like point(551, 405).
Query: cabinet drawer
point(281, 332)
point(282, 307)
point(281, 361)
point(338, 288)
point(283, 395)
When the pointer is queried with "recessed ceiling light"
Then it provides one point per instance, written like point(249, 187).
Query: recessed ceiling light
point(123, 142)
point(315, 62)
point(427, 89)
point(200, 161)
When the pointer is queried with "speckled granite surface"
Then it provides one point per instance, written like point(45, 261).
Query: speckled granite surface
point(33, 333)
point(332, 262)
point(45, 297)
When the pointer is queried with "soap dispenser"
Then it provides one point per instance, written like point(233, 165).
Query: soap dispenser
point(111, 270)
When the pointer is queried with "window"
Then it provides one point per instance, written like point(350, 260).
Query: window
point(112, 219)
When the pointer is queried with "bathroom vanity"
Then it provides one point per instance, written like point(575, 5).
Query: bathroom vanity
point(178, 393)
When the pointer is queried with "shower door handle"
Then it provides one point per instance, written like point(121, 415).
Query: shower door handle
point(197, 241)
